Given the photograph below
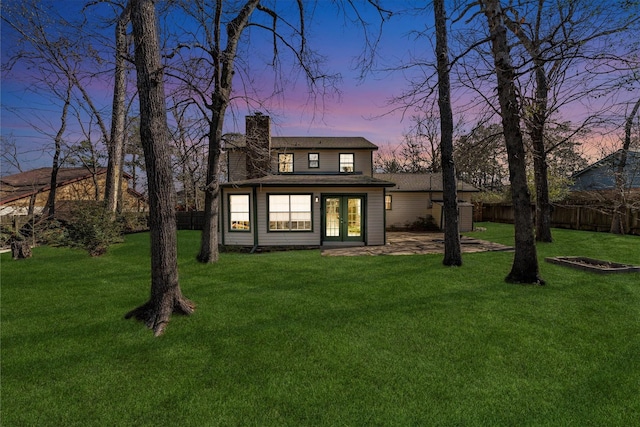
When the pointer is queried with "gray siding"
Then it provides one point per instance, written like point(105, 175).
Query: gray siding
point(275, 238)
point(373, 227)
point(406, 208)
point(234, 238)
point(465, 216)
point(375, 218)
point(329, 160)
point(465, 221)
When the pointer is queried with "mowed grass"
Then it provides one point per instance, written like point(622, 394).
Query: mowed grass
point(298, 339)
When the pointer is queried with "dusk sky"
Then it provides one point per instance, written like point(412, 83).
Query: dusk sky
point(362, 110)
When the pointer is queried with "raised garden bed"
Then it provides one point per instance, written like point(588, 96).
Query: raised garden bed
point(595, 265)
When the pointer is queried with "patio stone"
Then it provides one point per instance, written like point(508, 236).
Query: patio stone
point(407, 243)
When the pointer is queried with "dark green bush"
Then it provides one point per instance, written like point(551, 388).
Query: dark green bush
point(91, 228)
point(133, 222)
point(39, 230)
point(424, 223)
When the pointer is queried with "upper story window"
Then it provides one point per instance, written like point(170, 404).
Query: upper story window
point(314, 160)
point(285, 163)
point(346, 162)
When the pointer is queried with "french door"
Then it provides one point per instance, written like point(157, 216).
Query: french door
point(343, 218)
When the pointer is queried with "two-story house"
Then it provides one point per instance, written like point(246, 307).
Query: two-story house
point(301, 191)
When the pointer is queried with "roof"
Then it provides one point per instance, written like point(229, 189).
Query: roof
point(326, 180)
point(601, 174)
point(420, 182)
point(25, 184)
point(314, 143)
point(633, 156)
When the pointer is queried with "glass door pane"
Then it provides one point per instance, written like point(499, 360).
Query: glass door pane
point(332, 217)
point(354, 217)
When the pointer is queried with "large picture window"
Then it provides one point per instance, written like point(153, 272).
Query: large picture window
point(285, 163)
point(239, 218)
point(289, 212)
point(346, 162)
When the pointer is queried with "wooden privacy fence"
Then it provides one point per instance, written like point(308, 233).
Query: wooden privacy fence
point(575, 217)
point(190, 220)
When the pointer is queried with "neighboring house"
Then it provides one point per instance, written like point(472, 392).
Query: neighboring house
point(600, 176)
point(416, 196)
point(22, 191)
point(301, 191)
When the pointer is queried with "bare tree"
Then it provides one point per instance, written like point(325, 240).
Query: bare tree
point(420, 149)
point(166, 296)
point(223, 70)
point(118, 115)
point(388, 160)
point(59, 53)
point(452, 251)
point(208, 66)
point(55, 59)
point(481, 159)
point(190, 159)
point(9, 155)
point(557, 37)
point(525, 263)
point(133, 154)
point(50, 209)
point(618, 221)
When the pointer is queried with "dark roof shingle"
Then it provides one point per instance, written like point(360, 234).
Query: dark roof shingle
point(313, 143)
point(419, 182)
point(330, 180)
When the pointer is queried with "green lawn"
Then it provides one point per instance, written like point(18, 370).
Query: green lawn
point(297, 339)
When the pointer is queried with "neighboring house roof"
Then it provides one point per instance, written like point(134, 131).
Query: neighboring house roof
point(420, 182)
point(601, 174)
point(313, 143)
point(25, 184)
point(329, 180)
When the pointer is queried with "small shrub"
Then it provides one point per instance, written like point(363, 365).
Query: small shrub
point(6, 235)
point(424, 223)
point(49, 232)
point(92, 229)
point(134, 222)
point(41, 230)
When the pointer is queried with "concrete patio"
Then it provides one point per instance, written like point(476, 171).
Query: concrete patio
point(406, 243)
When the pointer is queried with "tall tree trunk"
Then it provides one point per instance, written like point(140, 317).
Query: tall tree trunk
point(452, 252)
point(618, 221)
point(543, 205)
point(537, 125)
point(166, 296)
point(209, 238)
point(50, 209)
point(224, 70)
point(118, 117)
point(525, 262)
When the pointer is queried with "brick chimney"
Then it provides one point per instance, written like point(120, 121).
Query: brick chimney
point(258, 147)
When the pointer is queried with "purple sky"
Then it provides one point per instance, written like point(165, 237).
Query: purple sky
point(362, 110)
